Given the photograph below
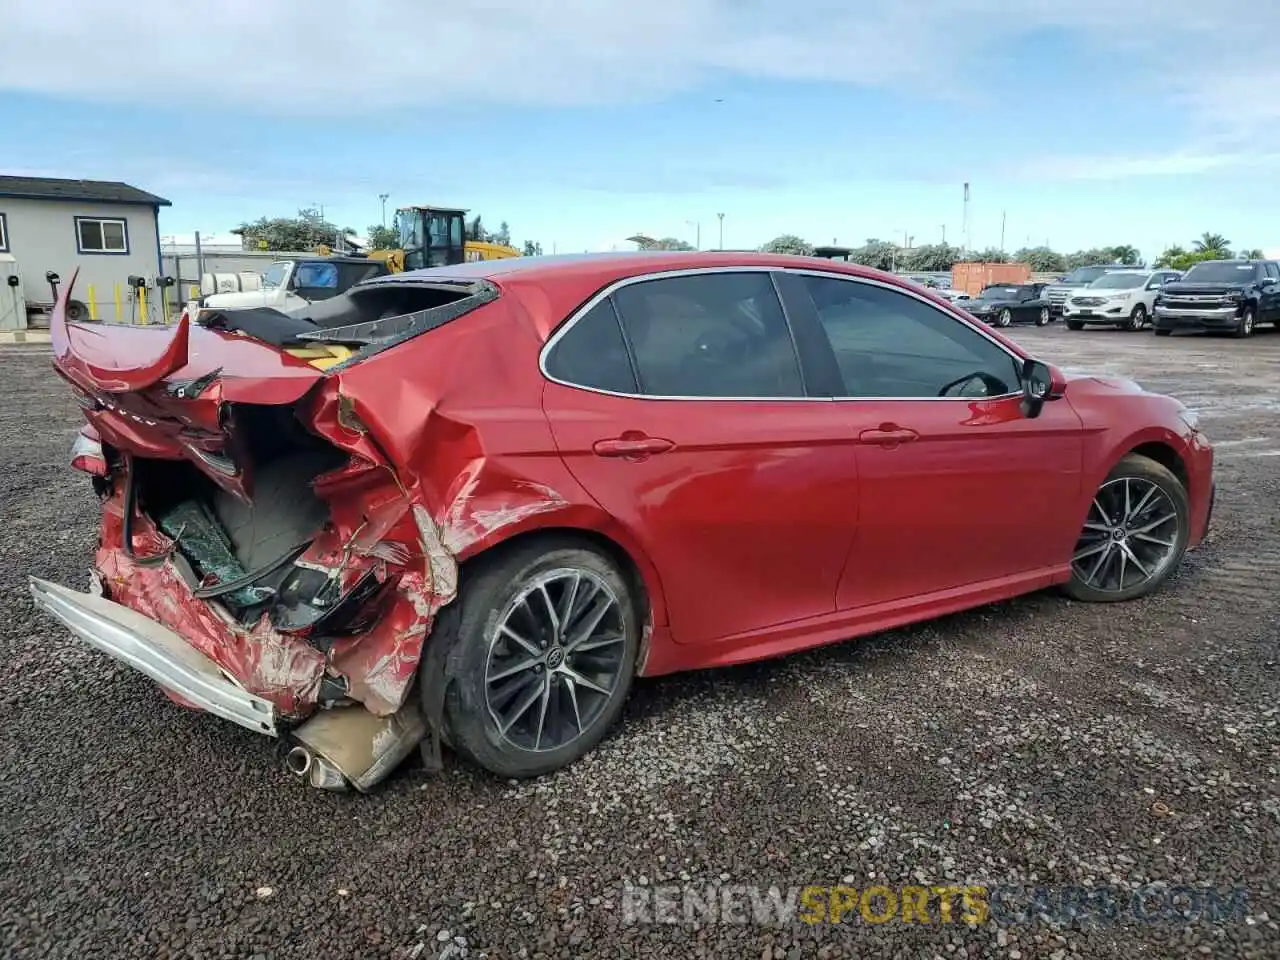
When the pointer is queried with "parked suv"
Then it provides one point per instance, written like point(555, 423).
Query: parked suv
point(1231, 295)
point(1057, 293)
point(1123, 298)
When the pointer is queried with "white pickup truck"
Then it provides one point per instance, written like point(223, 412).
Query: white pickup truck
point(290, 284)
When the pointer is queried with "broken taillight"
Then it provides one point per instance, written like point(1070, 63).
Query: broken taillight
point(87, 455)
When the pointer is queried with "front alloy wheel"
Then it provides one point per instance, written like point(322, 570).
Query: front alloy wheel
point(1138, 319)
point(1042, 319)
point(1245, 327)
point(1135, 533)
point(1005, 317)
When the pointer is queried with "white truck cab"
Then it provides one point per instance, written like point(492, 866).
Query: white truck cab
point(292, 284)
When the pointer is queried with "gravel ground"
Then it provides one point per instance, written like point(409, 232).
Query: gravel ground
point(1037, 742)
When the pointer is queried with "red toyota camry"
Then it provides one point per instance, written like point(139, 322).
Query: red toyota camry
point(470, 504)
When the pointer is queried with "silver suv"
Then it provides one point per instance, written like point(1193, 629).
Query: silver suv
point(1057, 293)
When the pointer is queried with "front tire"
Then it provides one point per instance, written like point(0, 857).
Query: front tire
point(1163, 332)
point(1004, 318)
point(1042, 318)
point(1135, 533)
point(1245, 327)
point(547, 637)
point(1137, 319)
point(1075, 325)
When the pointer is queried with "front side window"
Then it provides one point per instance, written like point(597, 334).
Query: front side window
point(316, 275)
point(710, 335)
point(1273, 271)
point(891, 345)
point(274, 276)
point(95, 235)
point(4, 233)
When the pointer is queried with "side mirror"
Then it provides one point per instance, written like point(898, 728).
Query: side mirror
point(1040, 383)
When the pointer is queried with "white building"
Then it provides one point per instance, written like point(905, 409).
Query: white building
point(108, 231)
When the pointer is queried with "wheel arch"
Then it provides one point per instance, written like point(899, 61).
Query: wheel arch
point(1158, 444)
point(635, 565)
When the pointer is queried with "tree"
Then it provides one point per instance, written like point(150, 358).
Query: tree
point(989, 255)
point(1214, 243)
point(1172, 255)
point(877, 254)
point(502, 236)
point(1124, 253)
point(303, 233)
point(1041, 259)
point(929, 258)
point(383, 238)
point(532, 249)
point(1251, 254)
point(788, 243)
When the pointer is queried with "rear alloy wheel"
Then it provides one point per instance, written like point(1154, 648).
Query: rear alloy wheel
point(1042, 318)
point(1137, 319)
point(1004, 318)
point(548, 641)
point(1245, 327)
point(1134, 536)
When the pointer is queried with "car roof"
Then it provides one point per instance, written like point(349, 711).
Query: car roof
point(558, 283)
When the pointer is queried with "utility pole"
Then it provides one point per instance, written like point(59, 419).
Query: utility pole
point(1002, 231)
point(944, 234)
point(720, 217)
point(697, 243)
point(964, 224)
point(383, 198)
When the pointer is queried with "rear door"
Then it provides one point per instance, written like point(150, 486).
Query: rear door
point(678, 402)
point(956, 486)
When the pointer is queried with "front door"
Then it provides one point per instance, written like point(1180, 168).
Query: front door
point(956, 485)
point(679, 405)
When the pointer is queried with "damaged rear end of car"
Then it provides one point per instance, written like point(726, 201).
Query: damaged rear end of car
point(271, 548)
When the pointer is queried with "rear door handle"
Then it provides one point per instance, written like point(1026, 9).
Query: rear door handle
point(631, 447)
point(888, 435)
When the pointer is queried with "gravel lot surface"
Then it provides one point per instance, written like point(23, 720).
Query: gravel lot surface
point(1037, 742)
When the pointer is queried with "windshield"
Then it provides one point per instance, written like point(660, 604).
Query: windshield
point(1000, 293)
point(1220, 271)
point(1119, 281)
point(1084, 275)
point(274, 276)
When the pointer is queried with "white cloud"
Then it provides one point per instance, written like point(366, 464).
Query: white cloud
point(282, 56)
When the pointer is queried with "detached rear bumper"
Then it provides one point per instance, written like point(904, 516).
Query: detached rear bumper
point(155, 650)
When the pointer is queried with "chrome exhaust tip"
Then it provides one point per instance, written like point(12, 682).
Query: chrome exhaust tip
point(298, 761)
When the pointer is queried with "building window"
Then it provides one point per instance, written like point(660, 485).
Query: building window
point(95, 235)
point(4, 234)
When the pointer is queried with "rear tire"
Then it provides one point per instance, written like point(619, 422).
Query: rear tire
point(1042, 318)
point(1135, 533)
point(499, 671)
point(1004, 318)
point(1137, 319)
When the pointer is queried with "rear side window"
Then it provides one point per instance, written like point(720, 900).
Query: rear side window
point(593, 354)
point(710, 335)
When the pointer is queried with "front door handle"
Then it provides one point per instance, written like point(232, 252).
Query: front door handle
point(631, 447)
point(888, 435)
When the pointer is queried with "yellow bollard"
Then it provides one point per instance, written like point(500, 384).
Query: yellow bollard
point(142, 305)
point(93, 304)
point(119, 311)
point(164, 305)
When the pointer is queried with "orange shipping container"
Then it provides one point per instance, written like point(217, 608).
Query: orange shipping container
point(972, 277)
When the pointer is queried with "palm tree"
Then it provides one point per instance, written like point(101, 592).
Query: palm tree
point(1125, 254)
point(1214, 243)
point(1254, 254)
